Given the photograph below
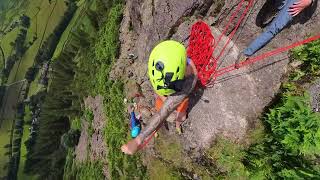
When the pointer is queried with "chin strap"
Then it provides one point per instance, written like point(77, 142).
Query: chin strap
point(175, 85)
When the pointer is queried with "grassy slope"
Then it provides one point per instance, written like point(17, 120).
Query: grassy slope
point(76, 20)
point(46, 25)
point(6, 40)
point(34, 86)
point(20, 68)
point(26, 133)
point(4, 134)
point(105, 50)
point(6, 125)
point(15, 8)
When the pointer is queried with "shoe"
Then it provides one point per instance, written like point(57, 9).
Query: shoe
point(156, 135)
point(242, 57)
point(179, 130)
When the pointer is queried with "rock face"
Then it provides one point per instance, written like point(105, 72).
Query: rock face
point(237, 99)
point(314, 91)
point(92, 145)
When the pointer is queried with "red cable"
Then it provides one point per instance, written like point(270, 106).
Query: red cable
point(146, 141)
point(264, 55)
point(200, 49)
point(201, 45)
point(236, 28)
point(229, 23)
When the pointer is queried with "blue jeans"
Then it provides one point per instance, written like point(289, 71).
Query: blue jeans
point(280, 22)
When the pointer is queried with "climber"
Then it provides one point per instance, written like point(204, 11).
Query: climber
point(288, 9)
point(168, 66)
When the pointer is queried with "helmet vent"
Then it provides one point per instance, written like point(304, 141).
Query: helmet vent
point(159, 66)
point(178, 69)
point(153, 63)
point(152, 72)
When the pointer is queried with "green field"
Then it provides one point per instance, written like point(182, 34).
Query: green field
point(4, 140)
point(9, 9)
point(26, 134)
point(72, 25)
point(6, 40)
point(44, 17)
point(46, 20)
point(7, 115)
point(35, 86)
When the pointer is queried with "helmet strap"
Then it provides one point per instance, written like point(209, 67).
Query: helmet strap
point(168, 84)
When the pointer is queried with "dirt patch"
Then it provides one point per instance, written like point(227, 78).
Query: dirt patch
point(97, 143)
point(92, 146)
point(314, 91)
point(81, 150)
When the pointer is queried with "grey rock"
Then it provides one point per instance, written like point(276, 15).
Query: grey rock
point(314, 91)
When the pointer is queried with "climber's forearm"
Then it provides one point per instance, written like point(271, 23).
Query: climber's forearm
point(169, 106)
point(171, 103)
point(148, 130)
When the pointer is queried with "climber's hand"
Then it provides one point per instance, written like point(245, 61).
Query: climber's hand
point(299, 6)
point(131, 147)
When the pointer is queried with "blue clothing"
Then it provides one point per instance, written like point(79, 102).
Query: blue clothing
point(279, 23)
point(188, 61)
point(134, 121)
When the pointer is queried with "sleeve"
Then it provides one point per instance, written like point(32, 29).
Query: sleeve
point(188, 61)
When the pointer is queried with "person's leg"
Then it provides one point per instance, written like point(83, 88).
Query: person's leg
point(279, 23)
point(158, 103)
point(181, 117)
point(181, 114)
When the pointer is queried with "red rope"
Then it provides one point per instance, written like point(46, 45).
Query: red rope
point(229, 22)
point(235, 29)
point(263, 56)
point(200, 49)
point(202, 45)
point(146, 141)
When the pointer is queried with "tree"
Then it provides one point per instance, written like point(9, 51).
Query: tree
point(25, 21)
point(70, 139)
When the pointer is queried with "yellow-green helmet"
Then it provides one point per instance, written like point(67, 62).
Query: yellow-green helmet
point(167, 64)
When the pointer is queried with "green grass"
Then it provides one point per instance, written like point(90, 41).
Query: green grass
point(4, 140)
point(11, 98)
point(35, 86)
point(78, 19)
point(88, 116)
point(44, 30)
point(6, 126)
point(99, 60)
point(20, 68)
point(228, 158)
point(309, 56)
point(6, 40)
point(291, 143)
point(222, 161)
point(161, 171)
point(12, 11)
point(23, 151)
point(82, 171)
point(116, 130)
point(16, 9)
point(76, 124)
